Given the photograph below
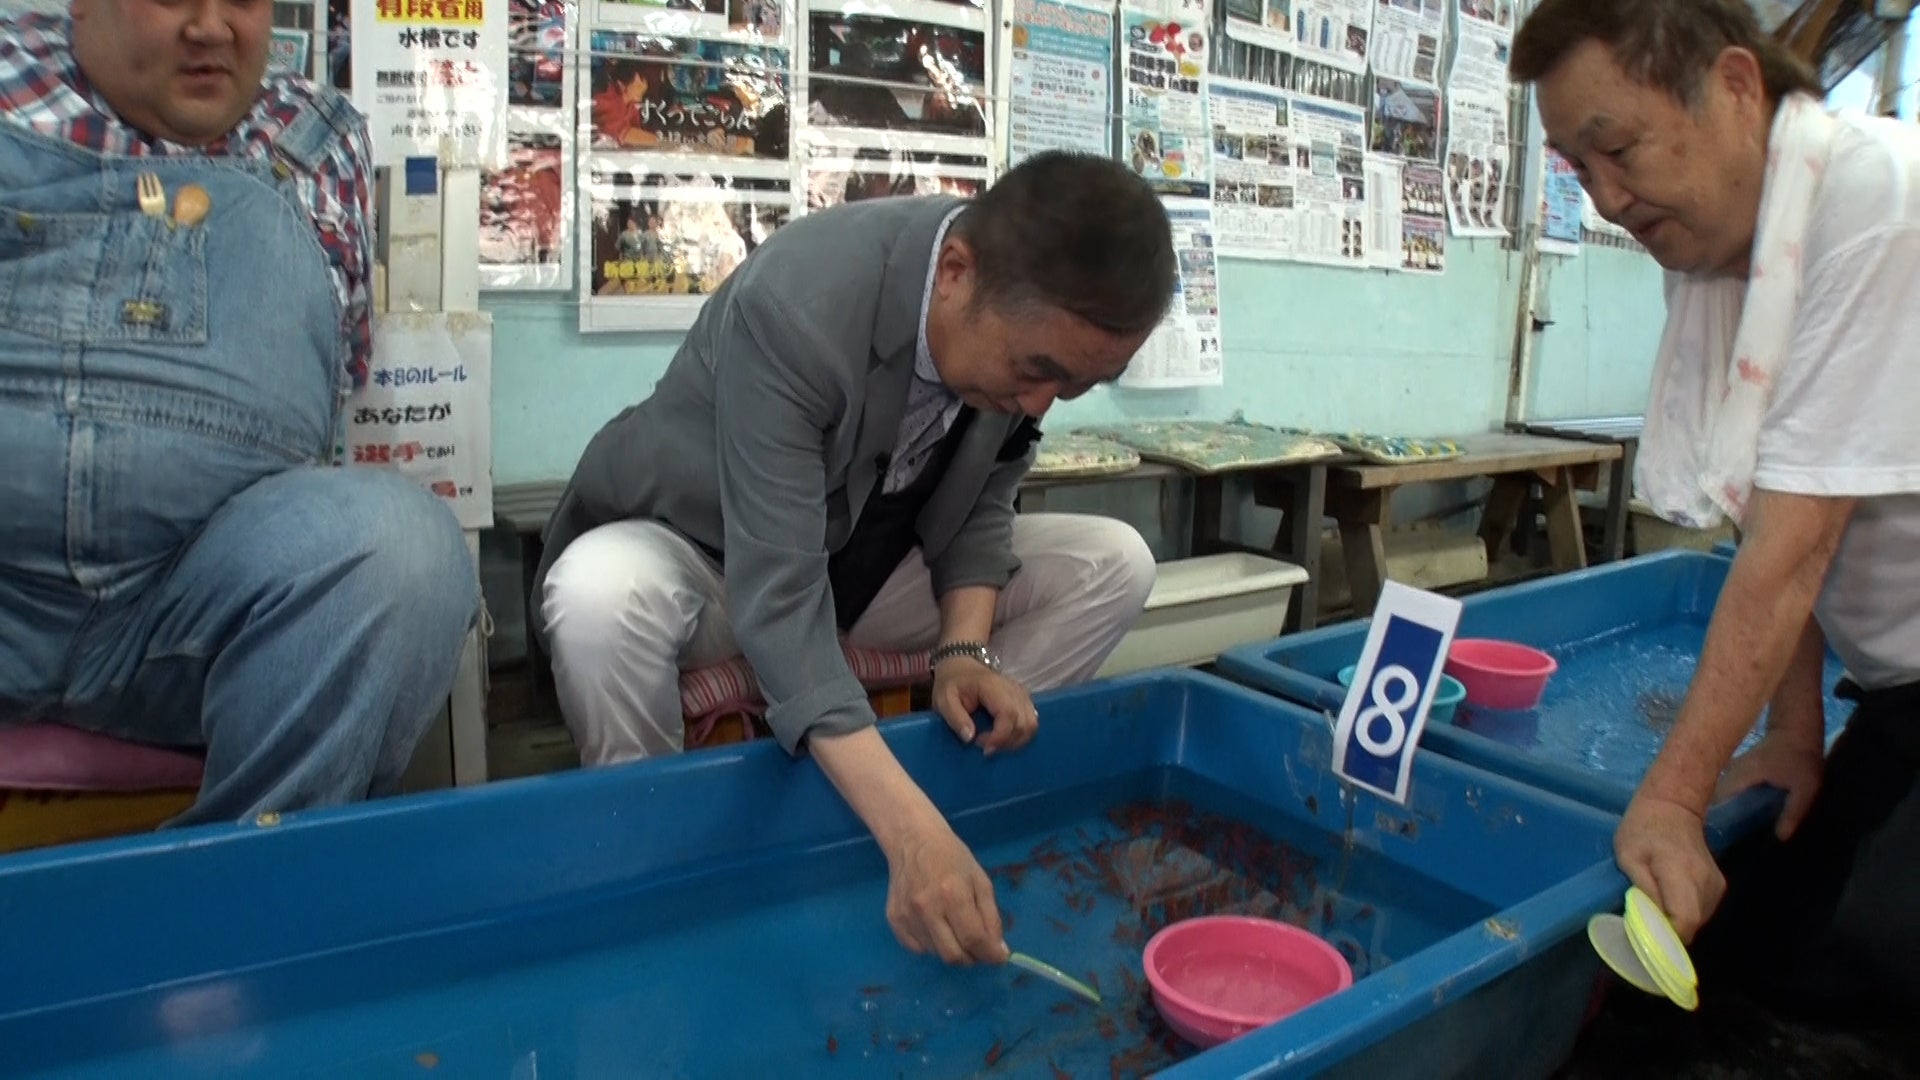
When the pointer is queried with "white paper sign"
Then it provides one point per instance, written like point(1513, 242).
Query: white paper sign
point(431, 70)
point(1393, 687)
point(426, 409)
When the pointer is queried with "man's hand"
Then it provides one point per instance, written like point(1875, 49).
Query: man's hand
point(1662, 847)
point(962, 684)
point(1788, 762)
point(940, 901)
point(938, 898)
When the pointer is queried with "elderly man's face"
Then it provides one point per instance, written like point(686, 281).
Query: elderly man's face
point(181, 70)
point(1685, 180)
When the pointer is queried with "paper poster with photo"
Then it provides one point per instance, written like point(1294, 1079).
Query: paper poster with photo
point(1560, 194)
point(1406, 120)
point(1477, 168)
point(431, 78)
point(426, 409)
point(881, 80)
point(540, 35)
point(1423, 221)
point(1253, 169)
point(687, 96)
point(1330, 185)
point(1336, 32)
point(844, 175)
point(288, 50)
point(764, 21)
point(1185, 350)
point(1493, 14)
point(526, 209)
point(656, 245)
point(1061, 79)
point(1164, 110)
point(1409, 37)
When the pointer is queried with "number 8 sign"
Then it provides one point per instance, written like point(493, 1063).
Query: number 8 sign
point(1393, 687)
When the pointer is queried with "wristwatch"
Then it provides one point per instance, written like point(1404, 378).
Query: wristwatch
point(975, 649)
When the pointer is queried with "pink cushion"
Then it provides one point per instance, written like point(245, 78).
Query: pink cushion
point(729, 687)
point(51, 757)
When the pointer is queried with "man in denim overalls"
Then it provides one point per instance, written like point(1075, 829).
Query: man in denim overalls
point(184, 279)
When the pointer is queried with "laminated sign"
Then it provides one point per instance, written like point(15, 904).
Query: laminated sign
point(1393, 687)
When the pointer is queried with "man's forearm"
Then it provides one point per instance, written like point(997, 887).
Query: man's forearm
point(966, 613)
point(1758, 626)
point(1798, 709)
point(873, 782)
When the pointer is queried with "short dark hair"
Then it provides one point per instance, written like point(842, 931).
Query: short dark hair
point(1076, 232)
point(1665, 44)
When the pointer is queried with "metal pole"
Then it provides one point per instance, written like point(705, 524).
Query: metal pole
point(1893, 65)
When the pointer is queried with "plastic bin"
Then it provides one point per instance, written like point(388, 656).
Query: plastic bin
point(1202, 606)
point(613, 921)
point(1627, 636)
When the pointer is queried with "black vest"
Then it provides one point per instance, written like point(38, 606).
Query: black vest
point(888, 530)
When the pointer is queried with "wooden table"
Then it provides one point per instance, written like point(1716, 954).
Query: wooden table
point(1623, 431)
point(1358, 496)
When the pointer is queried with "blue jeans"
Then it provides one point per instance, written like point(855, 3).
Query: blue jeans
point(180, 562)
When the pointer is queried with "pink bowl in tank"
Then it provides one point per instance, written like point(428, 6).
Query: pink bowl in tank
point(1500, 674)
point(1218, 977)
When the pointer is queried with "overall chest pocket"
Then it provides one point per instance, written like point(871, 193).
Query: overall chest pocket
point(152, 284)
point(98, 278)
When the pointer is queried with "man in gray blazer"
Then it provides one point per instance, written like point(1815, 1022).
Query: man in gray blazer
point(834, 452)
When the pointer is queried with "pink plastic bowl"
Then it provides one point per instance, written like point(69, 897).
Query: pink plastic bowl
point(1218, 977)
point(1500, 674)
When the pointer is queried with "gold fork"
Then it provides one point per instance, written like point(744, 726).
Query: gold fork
point(153, 197)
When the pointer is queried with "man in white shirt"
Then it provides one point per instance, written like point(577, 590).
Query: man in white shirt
point(1786, 400)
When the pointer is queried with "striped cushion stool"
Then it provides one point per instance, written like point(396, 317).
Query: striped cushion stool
point(722, 702)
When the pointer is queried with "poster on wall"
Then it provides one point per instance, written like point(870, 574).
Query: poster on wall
point(526, 206)
point(852, 175)
point(915, 78)
point(1290, 179)
point(1478, 96)
point(1423, 220)
point(427, 406)
point(1061, 79)
point(1164, 58)
point(1406, 120)
point(657, 245)
point(763, 20)
point(1560, 207)
point(288, 49)
point(1385, 238)
point(1336, 32)
point(687, 96)
point(525, 213)
point(431, 78)
point(1185, 350)
point(1408, 39)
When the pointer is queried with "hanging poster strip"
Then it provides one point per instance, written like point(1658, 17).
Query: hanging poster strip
point(1478, 95)
point(1184, 350)
point(1061, 86)
point(527, 209)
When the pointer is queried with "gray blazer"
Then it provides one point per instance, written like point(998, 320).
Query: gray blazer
point(769, 430)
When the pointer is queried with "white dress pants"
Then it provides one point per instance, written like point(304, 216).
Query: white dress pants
point(630, 605)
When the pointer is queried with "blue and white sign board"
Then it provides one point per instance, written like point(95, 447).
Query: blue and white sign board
point(1393, 687)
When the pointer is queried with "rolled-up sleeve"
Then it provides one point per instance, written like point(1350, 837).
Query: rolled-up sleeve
point(773, 404)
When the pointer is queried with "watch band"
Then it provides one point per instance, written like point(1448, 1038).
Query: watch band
point(974, 649)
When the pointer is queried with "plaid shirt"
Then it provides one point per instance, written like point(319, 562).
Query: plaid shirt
point(41, 88)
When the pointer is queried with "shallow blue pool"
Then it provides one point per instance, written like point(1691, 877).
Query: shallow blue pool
point(722, 915)
point(1627, 636)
